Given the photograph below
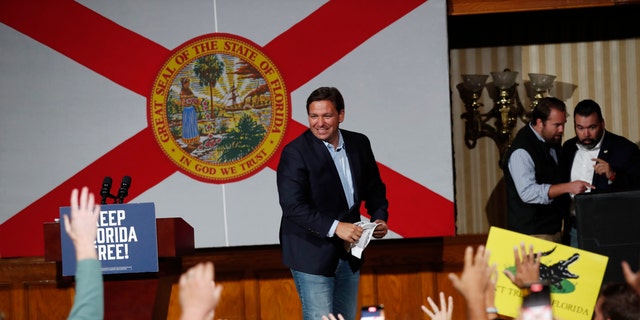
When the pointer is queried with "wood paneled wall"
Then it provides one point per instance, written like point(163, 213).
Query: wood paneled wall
point(399, 273)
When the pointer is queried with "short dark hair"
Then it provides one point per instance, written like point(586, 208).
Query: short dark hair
point(586, 108)
point(327, 93)
point(620, 301)
point(544, 106)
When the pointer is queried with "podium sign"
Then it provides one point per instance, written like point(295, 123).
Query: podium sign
point(126, 240)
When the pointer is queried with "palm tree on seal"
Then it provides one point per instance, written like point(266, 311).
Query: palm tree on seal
point(209, 69)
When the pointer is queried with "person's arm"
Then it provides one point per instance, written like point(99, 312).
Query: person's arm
point(523, 170)
point(294, 182)
point(631, 172)
point(199, 293)
point(573, 187)
point(88, 301)
point(375, 190)
point(490, 296)
point(623, 170)
point(81, 226)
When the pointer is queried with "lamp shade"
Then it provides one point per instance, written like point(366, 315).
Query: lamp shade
point(541, 81)
point(504, 79)
point(474, 82)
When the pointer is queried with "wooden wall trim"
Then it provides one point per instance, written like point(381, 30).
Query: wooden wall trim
point(406, 252)
point(466, 7)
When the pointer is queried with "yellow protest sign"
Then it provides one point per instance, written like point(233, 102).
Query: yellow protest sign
point(575, 275)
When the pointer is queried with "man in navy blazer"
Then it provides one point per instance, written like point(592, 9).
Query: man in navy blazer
point(323, 177)
point(608, 161)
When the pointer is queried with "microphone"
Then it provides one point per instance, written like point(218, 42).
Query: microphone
point(124, 188)
point(105, 192)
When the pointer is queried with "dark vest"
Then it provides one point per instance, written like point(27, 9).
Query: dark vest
point(535, 218)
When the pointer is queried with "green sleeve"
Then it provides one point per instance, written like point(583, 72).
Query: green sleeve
point(89, 298)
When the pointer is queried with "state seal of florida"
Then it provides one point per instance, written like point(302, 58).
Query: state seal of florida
point(219, 108)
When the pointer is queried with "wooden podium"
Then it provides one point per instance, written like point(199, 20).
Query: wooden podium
point(137, 295)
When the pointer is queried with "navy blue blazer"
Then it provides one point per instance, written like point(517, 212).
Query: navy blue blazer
point(311, 197)
point(622, 155)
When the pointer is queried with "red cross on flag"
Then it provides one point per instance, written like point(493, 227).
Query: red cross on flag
point(77, 81)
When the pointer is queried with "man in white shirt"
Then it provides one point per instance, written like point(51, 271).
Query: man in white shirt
point(609, 161)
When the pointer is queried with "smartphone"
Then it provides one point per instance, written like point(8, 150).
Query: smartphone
point(536, 304)
point(372, 312)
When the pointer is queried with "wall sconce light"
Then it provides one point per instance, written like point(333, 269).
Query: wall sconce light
point(541, 84)
point(476, 123)
point(499, 122)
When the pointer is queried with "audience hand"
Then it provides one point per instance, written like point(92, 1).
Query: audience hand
point(633, 279)
point(445, 311)
point(82, 223)
point(476, 273)
point(199, 294)
point(473, 283)
point(527, 267)
point(332, 317)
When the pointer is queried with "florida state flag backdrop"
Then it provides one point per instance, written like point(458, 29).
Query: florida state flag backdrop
point(194, 101)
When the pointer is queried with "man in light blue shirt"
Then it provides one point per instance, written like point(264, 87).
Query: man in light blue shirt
point(537, 191)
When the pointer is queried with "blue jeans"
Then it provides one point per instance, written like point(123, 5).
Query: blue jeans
point(574, 237)
point(321, 295)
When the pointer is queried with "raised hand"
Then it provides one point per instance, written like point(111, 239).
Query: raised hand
point(445, 311)
point(82, 224)
point(199, 294)
point(332, 317)
point(473, 283)
point(527, 267)
point(633, 278)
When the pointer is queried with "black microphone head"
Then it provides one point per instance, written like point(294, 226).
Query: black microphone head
point(124, 188)
point(126, 182)
point(106, 187)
